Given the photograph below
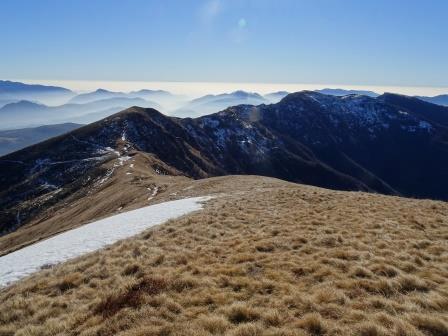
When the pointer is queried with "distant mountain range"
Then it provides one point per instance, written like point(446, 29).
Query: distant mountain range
point(439, 100)
point(390, 144)
point(213, 103)
point(13, 140)
point(46, 94)
point(275, 97)
point(101, 94)
point(25, 113)
point(27, 105)
point(4, 102)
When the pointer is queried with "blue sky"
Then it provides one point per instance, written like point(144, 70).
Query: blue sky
point(359, 42)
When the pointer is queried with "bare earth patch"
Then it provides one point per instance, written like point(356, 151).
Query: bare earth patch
point(265, 258)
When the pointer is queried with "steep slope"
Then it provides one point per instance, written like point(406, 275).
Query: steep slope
point(421, 109)
point(349, 143)
point(370, 139)
point(13, 140)
point(46, 174)
point(40, 176)
point(119, 184)
point(264, 257)
point(239, 144)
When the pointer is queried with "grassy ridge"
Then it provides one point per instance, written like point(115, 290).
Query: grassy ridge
point(278, 259)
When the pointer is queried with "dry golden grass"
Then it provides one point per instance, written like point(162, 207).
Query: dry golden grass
point(266, 258)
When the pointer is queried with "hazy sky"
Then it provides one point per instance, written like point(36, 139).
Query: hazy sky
point(351, 42)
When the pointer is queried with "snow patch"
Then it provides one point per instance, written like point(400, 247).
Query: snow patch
point(424, 125)
point(122, 160)
point(108, 174)
point(111, 150)
point(91, 237)
point(153, 193)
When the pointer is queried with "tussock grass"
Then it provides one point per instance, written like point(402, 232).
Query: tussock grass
point(275, 259)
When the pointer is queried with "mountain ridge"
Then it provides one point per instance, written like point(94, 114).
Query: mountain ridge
point(348, 143)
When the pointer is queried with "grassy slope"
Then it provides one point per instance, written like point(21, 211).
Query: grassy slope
point(266, 258)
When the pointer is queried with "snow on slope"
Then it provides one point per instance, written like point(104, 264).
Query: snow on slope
point(91, 237)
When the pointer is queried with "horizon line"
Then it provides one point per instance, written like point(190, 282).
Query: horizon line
point(198, 88)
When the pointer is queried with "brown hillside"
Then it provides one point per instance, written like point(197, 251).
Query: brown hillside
point(265, 257)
